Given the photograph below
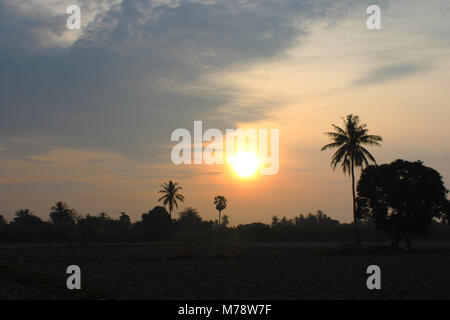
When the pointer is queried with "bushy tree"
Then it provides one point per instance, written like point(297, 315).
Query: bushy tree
point(124, 218)
point(157, 224)
point(26, 217)
point(225, 220)
point(62, 214)
point(402, 197)
point(191, 226)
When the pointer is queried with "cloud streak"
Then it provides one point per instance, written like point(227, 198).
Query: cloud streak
point(390, 73)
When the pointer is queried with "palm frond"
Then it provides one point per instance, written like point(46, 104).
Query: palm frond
point(331, 145)
point(349, 141)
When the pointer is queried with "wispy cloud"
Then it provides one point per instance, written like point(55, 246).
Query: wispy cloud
point(389, 73)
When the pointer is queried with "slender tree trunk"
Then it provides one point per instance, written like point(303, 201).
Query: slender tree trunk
point(358, 241)
point(219, 217)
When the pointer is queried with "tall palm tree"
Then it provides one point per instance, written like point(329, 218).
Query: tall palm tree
point(171, 195)
point(350, 151)
point(221, 204)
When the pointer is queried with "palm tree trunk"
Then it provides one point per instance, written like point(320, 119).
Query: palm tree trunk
point(219, 217)
point(358, 241)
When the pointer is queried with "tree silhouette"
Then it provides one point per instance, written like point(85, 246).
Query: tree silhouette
point(157, 223)
point(25, 216)
point(124, 218)
point(402, 197)
point(221, 204)
point(225, 220)
point(351, 153)
point(104, 217)
point(171, 195)
point(62, 214)
point(190, 217)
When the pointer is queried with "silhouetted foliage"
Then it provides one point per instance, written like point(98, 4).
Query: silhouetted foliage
point(3, 220)
point(124, 218)
point(313, 227)
point(61, 213)
point(171, 195)
point(221, 203)
point(255, 232)
point(351, 153)
point(225, 220)
point(402, 197)
point(26, 217)
point(25, 226)
point(191, 227)
point(157, 224)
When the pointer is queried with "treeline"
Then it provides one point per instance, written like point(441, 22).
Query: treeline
point(65, 225)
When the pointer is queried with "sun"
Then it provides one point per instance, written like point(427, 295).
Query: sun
point(245, 164)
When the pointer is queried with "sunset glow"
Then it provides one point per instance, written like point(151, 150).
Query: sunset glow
point(141, 106)
point(245, 164)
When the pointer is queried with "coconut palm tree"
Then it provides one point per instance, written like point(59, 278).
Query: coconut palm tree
point(351, 153)
point(221, 204)
point(171, 195)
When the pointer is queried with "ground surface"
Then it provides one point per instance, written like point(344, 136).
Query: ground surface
point(262, 271)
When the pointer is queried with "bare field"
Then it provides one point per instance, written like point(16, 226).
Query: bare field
point(195, 271)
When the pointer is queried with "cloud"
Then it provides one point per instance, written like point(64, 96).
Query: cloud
point(389, 73)
point(36, 25)
point(138, 69)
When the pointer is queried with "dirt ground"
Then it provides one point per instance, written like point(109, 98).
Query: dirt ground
point(239, 271)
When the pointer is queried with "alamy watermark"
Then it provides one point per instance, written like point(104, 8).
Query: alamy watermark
point(74, 280)
point(213, 147)
point(373, 21)
point(73, 22)
point(374, 280)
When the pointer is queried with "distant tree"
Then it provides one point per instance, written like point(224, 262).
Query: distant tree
point(225, 220)
point(157, 223)
point(192, 228)
point(2, 220)
point(275, 220)
point(62, 214)
point(26, 217)
point(190, 216)
point(124, 218)
point(402, 197)
point(299, 220)
point(351, 153)
point(323, 219)
point(104, 217)
point(254, 232)
point(220, 203)
point(171, 195)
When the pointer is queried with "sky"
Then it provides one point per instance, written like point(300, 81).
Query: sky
point(86, 116)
